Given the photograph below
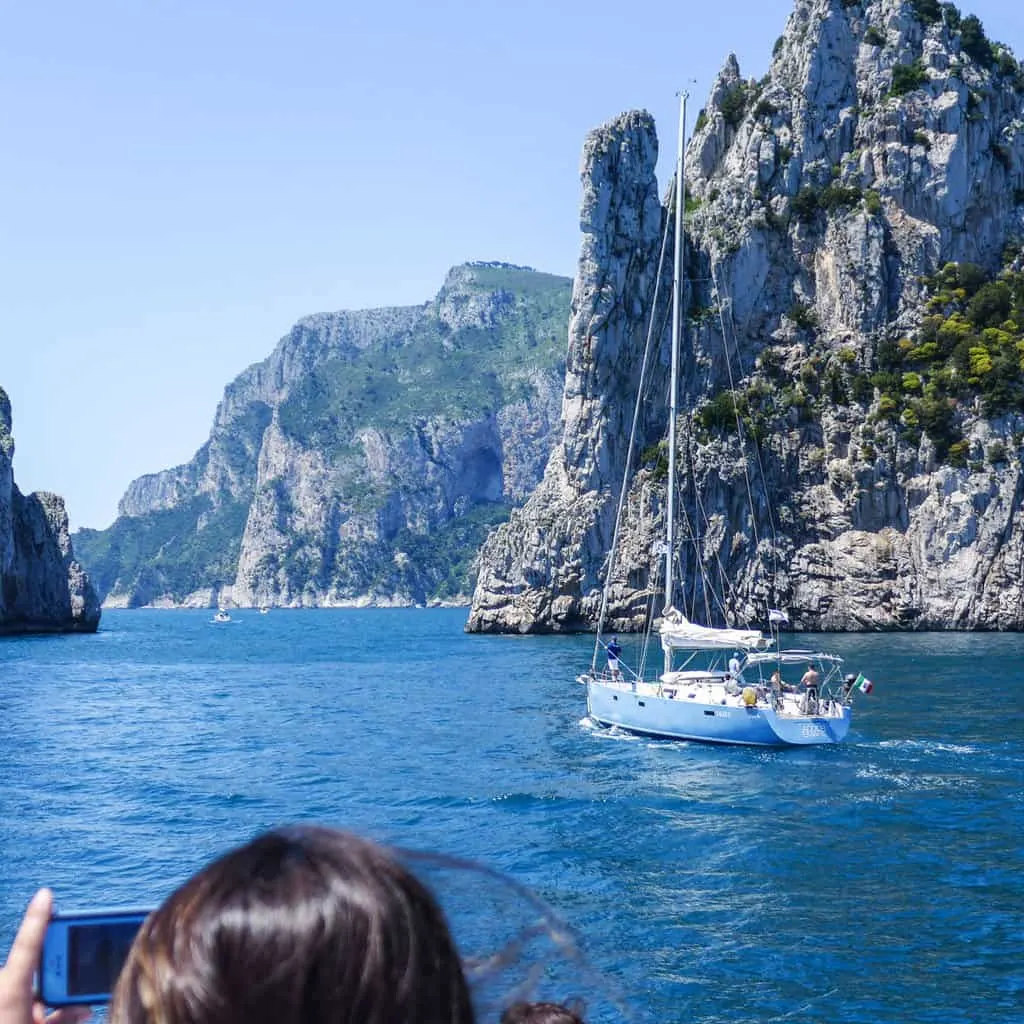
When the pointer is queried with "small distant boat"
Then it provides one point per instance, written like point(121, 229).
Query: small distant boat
point(221, 616)
point(264, 609)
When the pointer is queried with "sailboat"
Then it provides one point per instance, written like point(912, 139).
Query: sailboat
point(718, 685)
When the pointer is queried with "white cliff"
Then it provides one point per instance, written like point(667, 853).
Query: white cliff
point(885, 142)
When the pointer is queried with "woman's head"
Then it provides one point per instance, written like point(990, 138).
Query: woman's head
point(299, 926)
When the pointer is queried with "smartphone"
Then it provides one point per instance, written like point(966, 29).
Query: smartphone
point(83, 953)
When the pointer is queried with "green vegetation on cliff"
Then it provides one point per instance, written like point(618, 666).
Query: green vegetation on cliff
point(969, 350)
point(328, 527)
point(436, 369)
point(170, 552)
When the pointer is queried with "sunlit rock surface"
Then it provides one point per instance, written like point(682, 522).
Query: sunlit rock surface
point(882, 144)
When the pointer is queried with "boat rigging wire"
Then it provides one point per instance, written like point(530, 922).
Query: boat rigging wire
point(757, 448)
point(735, 406)
point(707, 585)
point(648, 346)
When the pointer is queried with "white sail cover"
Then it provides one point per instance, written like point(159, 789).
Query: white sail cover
point(678, 632)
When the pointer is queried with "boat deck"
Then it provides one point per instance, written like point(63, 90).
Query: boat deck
point(702, 689)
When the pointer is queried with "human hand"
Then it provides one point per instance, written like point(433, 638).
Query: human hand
point(18, 1004)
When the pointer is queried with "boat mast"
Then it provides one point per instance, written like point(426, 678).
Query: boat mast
point(677, 286)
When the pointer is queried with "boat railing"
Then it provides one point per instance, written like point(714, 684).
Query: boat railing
point(833, 687)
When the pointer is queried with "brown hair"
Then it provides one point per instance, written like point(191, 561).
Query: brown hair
point(540, 1013)
point(300, 926)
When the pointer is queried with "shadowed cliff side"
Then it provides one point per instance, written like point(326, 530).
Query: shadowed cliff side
point(42, 588)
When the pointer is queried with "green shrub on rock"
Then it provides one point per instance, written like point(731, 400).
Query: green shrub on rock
point(734, 104)
point(929, 11)
point(974, 42)
point(806, 204)
point(996, 452)
point(719, 412)
point(956, 454)
point(803, 316)
point(838, 197)
point(990, 305)
point(907, 77)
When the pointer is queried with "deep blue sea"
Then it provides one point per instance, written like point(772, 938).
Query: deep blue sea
point(878, 881)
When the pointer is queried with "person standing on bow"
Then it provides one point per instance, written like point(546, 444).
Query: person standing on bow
point(734, 667)
point(614, 650)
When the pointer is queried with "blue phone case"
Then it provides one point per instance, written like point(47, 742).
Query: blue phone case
point(83, 953)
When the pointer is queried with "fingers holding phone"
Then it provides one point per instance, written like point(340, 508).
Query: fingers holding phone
point(18, 1003)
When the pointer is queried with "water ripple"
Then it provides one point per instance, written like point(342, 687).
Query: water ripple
point(880, 881)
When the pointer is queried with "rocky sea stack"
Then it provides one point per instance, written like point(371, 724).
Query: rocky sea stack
point(854, 352)
point(42, 588)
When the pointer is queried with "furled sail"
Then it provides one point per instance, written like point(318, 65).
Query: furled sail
point(677, 631)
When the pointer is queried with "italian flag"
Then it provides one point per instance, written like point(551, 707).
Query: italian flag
point(863, 683)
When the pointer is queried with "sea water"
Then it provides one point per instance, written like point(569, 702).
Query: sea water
point(881, 880)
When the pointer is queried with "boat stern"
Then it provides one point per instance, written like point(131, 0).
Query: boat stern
point(801, 731)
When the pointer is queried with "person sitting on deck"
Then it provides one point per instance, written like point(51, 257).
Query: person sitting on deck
point(614, 650)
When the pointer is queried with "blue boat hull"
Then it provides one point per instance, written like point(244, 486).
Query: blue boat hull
point(676, 719)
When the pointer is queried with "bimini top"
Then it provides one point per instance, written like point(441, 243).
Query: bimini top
point(678, 632)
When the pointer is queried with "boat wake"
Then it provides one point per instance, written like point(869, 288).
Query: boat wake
point(610, 732)
point(930, 746)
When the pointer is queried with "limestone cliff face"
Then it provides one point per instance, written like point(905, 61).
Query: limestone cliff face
point(886, 141)
point(222, 466)
point(542, 570)
point(42, 588)
point(362, 462)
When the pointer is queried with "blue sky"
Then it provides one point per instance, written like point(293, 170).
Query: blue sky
point(181, 181)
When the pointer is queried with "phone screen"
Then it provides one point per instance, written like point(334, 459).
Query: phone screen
point(96, 953)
